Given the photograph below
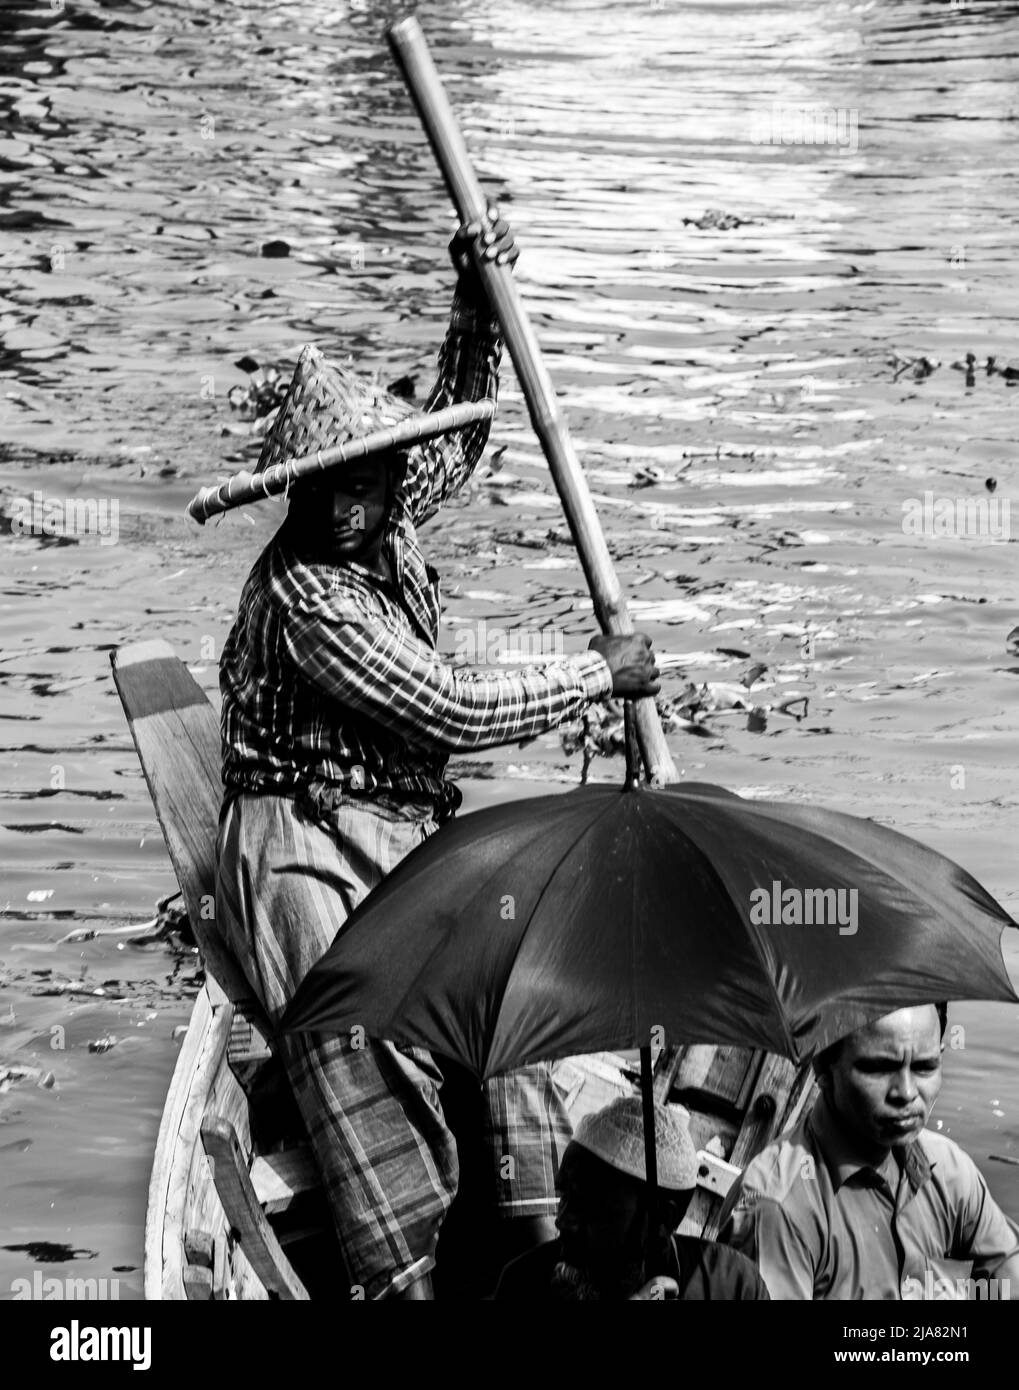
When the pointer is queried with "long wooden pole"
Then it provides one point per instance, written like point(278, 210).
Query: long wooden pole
point(647, 1105)
point(415, 62)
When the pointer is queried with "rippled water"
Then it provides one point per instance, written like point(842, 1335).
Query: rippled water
point(740, 388)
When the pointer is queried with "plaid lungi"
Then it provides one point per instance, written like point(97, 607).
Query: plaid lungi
point(286, 883)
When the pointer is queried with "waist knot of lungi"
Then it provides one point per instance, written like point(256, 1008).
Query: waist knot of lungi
point(321, 801)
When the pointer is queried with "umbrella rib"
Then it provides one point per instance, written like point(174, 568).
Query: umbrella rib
point(853, 856)
point(398, 1007)
point(757, 944)
point(763, 956)
point(919, 888)
point(584, 830)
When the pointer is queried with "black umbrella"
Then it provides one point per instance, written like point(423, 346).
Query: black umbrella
point(588, 920)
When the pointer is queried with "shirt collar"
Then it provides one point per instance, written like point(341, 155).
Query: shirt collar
point(843, 1161)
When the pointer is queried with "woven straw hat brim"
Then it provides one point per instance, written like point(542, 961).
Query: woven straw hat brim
point(325, 405)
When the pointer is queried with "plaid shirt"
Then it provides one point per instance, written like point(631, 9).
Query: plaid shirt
point(330, 678)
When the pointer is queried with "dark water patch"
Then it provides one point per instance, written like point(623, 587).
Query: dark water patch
point(49, 1252)
point(90, 794)
point(48, 825)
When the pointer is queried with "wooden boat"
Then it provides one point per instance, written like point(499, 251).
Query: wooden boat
point(235, 1206)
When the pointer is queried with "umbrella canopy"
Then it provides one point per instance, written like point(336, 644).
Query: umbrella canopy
point(570, 923)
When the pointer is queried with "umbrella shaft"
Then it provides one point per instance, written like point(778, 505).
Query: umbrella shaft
point(647, 1093)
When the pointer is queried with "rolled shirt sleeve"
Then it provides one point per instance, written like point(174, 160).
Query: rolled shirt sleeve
point(381, 671)
point(984, 1234)
point(468, 370)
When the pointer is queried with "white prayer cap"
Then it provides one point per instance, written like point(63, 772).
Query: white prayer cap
point(616, 1136)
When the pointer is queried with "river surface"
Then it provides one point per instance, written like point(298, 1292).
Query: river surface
point(755, 239)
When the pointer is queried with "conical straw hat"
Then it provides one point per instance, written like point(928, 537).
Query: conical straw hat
point(325, 405)
point(331, 417)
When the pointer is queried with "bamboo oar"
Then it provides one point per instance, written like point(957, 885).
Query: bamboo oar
point(250, 487)
point(411, 53)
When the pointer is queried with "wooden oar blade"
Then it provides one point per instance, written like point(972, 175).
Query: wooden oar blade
point(176, 732)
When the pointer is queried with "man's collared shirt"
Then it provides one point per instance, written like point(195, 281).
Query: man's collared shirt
point(330, 676)
point(821, 1224)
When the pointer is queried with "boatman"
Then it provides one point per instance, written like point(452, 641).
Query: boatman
point(860, 1200)
point(338, 719)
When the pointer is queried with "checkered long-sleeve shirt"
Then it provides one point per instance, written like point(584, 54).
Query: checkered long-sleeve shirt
point(331, 675)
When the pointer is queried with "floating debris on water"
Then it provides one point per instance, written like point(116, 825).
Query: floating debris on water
point(754, 674)
point(11, 1076)
point(103, 1044)
point(919, 368)
point(262, 395)
point(650, 475)
point(404, 387)
point(714, 220)
point(1009, 372)
point(47, 1252)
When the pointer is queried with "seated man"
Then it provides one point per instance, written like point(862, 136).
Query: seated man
point(859, 1200)
point(601, 1252)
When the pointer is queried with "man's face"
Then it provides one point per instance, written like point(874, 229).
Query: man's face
point(886, 1078)
point(601, 1222)
point(340, 516)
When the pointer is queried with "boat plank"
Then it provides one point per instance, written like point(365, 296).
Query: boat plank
point(179, 1104)
point(176, 1157)
point(280, 1178)
point(198, 1247)
point(247, 1219)
point(198, 1284)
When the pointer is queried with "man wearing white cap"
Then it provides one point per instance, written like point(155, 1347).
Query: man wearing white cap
point(603, 1251)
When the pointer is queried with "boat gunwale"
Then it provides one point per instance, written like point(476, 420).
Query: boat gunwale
point(202, 1056)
